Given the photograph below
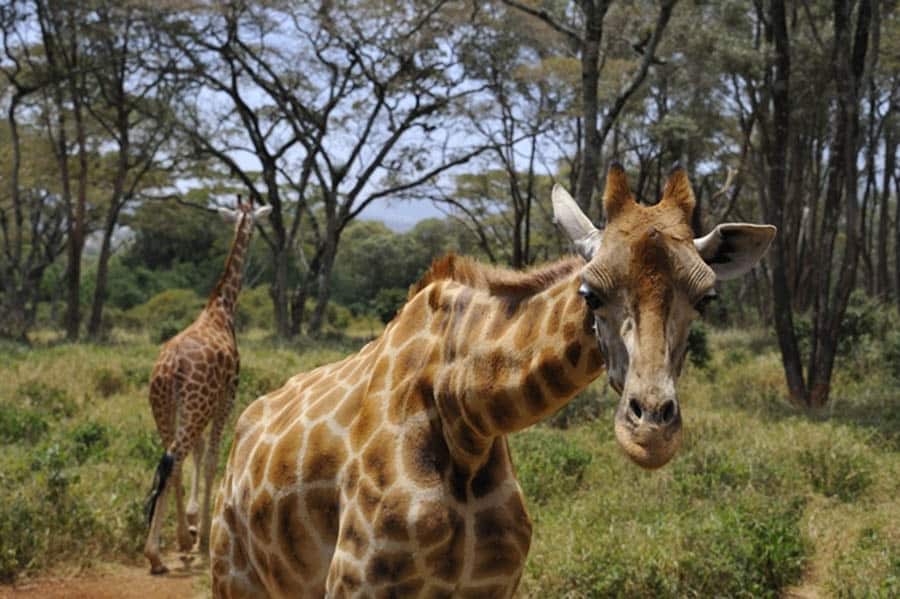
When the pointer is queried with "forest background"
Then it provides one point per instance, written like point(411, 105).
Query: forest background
point(126, 123)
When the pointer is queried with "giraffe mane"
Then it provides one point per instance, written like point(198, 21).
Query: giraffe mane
point(501, 282)
point(217, 290)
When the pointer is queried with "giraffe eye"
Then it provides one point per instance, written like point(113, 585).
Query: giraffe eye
point(704, 301)
point(594, 301)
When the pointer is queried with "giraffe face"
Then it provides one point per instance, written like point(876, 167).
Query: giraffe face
point(646, 280)
point(245, 215)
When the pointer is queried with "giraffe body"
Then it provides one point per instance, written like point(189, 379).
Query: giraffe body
point(192, 388)
point(388, 474)
point(347, 478)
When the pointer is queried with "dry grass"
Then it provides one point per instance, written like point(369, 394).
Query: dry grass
point(762, 500)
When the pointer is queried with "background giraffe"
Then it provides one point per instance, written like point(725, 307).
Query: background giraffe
point(193, 383)
point(388, 473)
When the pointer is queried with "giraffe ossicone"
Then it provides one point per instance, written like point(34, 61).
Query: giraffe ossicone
point(388, 473)
point(192, 387)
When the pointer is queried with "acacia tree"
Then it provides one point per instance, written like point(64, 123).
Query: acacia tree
point(329, 108)
point(807, 148)
point(584, 31)
point(59, 23)
point(31, 216)
point(523, 101)
point(131, 105)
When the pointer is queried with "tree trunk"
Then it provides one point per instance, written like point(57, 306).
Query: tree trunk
point(777, 143)
point(323, 284)
point(590, 75)
point(96, 319)
point(882, 279)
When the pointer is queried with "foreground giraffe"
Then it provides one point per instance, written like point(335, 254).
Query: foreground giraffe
point(388, 474)
point(193, 383)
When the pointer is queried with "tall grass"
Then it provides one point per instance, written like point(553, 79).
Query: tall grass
point(760, 498)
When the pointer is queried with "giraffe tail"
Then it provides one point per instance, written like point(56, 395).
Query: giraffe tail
point(159, 482)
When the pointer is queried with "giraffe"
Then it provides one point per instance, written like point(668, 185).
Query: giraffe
point(192, 384)
point(388, 474)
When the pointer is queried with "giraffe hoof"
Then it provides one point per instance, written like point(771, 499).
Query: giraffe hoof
point(158, 570)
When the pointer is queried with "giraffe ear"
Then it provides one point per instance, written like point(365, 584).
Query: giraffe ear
point(262, 212)
point(229, 216)
point(577, 226)
point(732, 249)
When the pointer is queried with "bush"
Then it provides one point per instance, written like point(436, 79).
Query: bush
point(254, 309)
point(587, 406)
point(548, 463)
point(166, 313)
point(698, 345)
point(388, 301)
point(835, 470)
point(46, 399)
point(108, 382)
point(89, 439)
point(146, 447)
point(21, 425)
point(744, 550)
point(20, 543)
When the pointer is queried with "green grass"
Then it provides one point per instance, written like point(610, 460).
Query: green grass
point(761, 497)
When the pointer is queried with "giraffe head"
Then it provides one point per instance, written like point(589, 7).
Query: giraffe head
point(244, 215)
point(646, 279)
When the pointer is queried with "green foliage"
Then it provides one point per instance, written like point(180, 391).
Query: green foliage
point(388, 302)
point(585, 407)
point(837, 469)
point(145, 446)
point(20, 424)
point(89, 439)
point(868, 568)
point(20, 542)
point(166, 313)
point(549, 464)
point(698, 345)
point(46, 398)
point(254, 309)
point(108, 382)
point(744, 550)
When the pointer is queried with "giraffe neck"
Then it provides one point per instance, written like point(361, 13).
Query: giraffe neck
point(511, 362)
point(223, 299)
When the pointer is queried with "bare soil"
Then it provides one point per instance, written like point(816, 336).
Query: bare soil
point(118, 581)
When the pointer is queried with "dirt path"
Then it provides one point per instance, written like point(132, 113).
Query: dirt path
point(118, 581)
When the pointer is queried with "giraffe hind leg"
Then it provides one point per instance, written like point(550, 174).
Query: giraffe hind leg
point(163, 471)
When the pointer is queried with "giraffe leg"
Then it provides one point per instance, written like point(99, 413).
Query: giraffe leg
point(193, 508)
point(212, 455)
point(185, 540)
point(156, 508)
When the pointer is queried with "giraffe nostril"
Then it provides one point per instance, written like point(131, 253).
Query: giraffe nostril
point(634, 408)
point(667, 413)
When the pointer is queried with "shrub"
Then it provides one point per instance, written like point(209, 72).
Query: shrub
point(21, 425)
point(255, 382)
point(89, 439)
point(166, 313)
point(108, 382)
point(254, 309)
point(145, 446)
point(701, 473)
point(388, 301)
point(46, 398)
point(20, 542)
point(744, 550)
point(584, 407)
point(698, 345)
point(548, 463)
point(868, 568)
point(836, 470)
